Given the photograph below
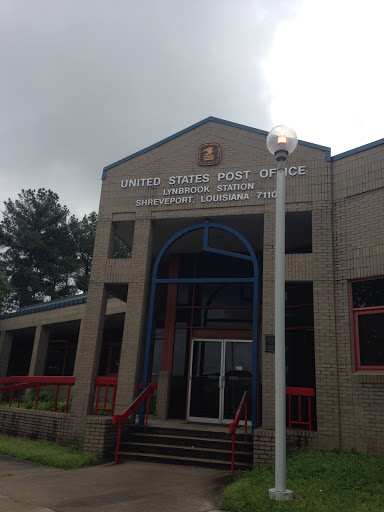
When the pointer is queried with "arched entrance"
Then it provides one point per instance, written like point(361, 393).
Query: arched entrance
point(217, 365)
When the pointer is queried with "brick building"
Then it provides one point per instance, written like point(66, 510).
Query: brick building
point(193, 307)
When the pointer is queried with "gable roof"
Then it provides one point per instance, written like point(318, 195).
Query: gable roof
point(200, 123)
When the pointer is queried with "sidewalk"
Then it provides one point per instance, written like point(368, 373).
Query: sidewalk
point(129, 486)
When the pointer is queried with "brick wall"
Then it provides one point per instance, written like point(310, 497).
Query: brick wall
point(37, 425)
point(358, 219)
point(264, 444)
point(100, 433)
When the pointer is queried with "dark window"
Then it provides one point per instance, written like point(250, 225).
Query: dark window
point(368, 294)
point(298, 232)
point(368, 323)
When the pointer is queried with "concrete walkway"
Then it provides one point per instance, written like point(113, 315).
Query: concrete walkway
point(127, 486)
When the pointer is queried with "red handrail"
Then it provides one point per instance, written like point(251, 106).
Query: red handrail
point(120, 419)
point(106, 382)
point(233, 426)
point(20, 383)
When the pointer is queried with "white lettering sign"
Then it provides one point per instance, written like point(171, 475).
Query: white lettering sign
point(192, 184)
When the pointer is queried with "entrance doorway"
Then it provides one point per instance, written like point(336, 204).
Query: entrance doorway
point(220, 372)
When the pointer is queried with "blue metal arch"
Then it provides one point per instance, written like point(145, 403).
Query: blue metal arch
point(206, 226)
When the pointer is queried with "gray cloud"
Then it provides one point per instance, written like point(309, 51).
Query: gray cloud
point(85, 83)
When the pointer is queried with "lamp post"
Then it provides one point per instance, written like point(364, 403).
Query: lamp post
point(281, 141)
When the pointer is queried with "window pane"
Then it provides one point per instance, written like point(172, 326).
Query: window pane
point(368, 294)
point(184, 294)
point(183, 317)
point(299, 316)
point(157, 355)
point(298, 293)
point(223, 318)
point(298, 232)
point(213, 265)
point(371, 339)
point(223, 294)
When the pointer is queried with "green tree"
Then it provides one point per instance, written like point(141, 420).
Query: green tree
point(38, 254)
point(82, 233)
point(5, 290)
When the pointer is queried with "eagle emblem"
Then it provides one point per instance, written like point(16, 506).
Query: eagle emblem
point(209, 154)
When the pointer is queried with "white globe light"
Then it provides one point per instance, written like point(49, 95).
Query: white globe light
point(282, 138)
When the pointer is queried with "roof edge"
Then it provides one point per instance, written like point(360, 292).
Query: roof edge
point(196, 125)
point(51, 304)
point(357, 150)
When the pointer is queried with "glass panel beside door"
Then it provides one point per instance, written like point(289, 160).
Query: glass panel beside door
point(220, 372)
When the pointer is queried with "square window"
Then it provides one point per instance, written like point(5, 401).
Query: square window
point(367, 299)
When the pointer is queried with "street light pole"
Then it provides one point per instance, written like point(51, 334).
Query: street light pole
point(281, 141)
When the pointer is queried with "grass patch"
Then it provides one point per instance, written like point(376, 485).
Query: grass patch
point(50, 454)
point(321, 482)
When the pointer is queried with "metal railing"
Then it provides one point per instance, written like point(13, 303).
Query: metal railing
point(235, 423)
point(299, 413)
point(120, 419)
point(106, 383)
point(14, 384)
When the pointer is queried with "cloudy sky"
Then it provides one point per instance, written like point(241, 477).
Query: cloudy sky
point(85, 83)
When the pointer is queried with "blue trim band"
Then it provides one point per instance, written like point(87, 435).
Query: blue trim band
point(357, 150)
point(44, 306)
point(252, 256)
point(196, 125)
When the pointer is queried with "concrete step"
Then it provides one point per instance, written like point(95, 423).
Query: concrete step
point(185, 461)
point(187, 446)
point(187, 452)
point(194, 441)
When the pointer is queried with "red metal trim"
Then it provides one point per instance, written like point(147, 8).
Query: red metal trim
point(105, 382)
point(300, 391)
point(37, 395)
point(227, 333)
point(214, 307)
point(233, 426)
point(97, 399)
point(38, 380)
point(57, 396)
point(356, 338)
point(114, 400)
point(366, 279)
point(121, 418)
point(19, 383)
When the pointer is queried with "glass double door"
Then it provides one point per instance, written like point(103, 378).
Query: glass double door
point(220, 372)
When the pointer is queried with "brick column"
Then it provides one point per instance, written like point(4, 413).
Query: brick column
point(267, 359)
point(6, 339)
point(91, 332)
point(133, 343)
point(327, 375)
point(39, 351)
